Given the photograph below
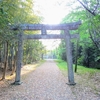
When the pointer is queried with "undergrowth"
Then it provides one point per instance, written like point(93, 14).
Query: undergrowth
point(87, 77)
point(81, 70)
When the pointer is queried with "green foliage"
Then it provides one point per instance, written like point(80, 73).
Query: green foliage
point(81, 69)
point(61, 51)
point(33, 50)
point(85, 70)
point(61, 64)
point(89, 45)
point(15, 12)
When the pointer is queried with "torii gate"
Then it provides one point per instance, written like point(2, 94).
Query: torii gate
point(67, 36)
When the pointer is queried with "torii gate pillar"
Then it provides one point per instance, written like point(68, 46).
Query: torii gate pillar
point(19, 60)
point(69, 58)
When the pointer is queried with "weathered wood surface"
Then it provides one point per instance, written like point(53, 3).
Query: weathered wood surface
point(43, 27)
point(69, 58)
point(67, 36)
point(50, 36)
point(19, 60)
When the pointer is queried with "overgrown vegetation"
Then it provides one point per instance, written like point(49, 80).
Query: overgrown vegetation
point(14, 13)
point(81, 70)
point(86, 78)
point(87, 49)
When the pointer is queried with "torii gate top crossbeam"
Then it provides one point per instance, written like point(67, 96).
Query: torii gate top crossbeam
point(70, 26)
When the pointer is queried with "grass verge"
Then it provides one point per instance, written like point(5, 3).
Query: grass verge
point(61, 64)
point(85, 77)
point(80, 69)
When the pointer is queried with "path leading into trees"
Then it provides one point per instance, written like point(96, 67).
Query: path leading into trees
point(44, 83)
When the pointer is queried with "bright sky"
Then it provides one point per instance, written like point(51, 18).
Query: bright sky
point(52, 11)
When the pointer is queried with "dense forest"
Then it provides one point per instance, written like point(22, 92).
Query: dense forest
point(14, 13)
point(86, 50)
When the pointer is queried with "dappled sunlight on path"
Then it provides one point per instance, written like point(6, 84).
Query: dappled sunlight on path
point(45, 82)
point(26, 69)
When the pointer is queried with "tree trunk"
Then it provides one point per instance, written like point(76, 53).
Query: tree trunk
point(11, 57)
point(76, 56)
point(2, 57)
point(14, 63)
point(5, 59)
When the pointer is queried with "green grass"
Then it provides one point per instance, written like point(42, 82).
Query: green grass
point(61, 64)
point(84, 70)
point(80, 69)
point(85, 77)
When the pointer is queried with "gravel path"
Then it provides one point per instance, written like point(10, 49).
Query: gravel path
point(45, 83)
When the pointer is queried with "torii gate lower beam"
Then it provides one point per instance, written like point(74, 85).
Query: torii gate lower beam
point(50, 36)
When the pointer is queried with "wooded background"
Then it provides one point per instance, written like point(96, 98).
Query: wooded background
point(86, 50)
point(15, 13)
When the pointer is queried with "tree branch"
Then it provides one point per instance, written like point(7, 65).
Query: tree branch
point(93, 13)
point(96, 6)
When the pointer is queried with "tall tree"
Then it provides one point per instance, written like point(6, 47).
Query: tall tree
point(88, 12)
point(14, 13)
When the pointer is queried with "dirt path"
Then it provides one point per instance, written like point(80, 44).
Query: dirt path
point(44, 83)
